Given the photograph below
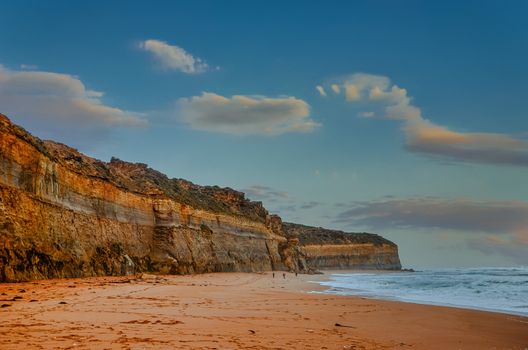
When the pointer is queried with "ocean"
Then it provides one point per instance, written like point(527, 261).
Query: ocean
point(491, 289)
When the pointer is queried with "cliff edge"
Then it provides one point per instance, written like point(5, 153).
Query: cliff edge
point(64, 214)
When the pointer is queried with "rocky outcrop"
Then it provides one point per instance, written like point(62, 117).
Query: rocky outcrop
point(321, 248)
point(63, 214)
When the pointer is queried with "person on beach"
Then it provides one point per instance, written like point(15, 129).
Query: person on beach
point(283, 275)
point(274, 275)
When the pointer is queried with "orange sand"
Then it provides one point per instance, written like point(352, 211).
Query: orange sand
point(234, 311)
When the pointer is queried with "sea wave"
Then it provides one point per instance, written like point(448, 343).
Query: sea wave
point(501, 289)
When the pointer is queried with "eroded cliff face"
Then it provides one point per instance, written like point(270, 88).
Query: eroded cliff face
point(330, 249)
point(63, 214)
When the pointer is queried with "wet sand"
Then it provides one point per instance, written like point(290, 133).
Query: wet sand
point(234, 311)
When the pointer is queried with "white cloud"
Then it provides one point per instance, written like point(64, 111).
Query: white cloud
point(51, 98)
point(336, 88)
point(245, 115)
point(28, 67)
point(173, 57)
point(321, 90)
point(352, 92)
point(426, 137)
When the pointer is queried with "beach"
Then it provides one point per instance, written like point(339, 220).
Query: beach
point(234, 311)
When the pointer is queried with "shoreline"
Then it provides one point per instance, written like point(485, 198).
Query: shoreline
point(327, 273)
point(235, 311)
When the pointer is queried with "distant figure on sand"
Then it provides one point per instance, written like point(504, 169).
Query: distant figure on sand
point(274, 275)
point(283, 275)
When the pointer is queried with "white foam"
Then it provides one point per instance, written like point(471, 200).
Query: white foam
point(492, 289)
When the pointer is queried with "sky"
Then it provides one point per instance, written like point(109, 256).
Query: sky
point(403, 118)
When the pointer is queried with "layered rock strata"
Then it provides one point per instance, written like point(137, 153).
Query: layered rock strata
point(63, 214)
point(321, 248)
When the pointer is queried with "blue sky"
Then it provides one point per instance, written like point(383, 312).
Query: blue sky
point(426, 142)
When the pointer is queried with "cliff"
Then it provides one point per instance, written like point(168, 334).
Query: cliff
point(320, 248)
point(63, 214)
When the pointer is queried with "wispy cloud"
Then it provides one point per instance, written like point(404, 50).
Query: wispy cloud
point(493, 226)
point(321, 90)
point(56, 98)
point(28, 66)
point(310, 205)
point(514, 246)
point(265, 193)
point(246, 115)
point(276, 201)
point(173, 57)
point(291, 208)
point(424, 136)
point(336, 88)
point(457, 214)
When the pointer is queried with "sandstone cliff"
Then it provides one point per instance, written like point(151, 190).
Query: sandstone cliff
point(321, 248)
point(63, 214)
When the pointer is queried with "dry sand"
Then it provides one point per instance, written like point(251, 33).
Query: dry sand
point(234, 311)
